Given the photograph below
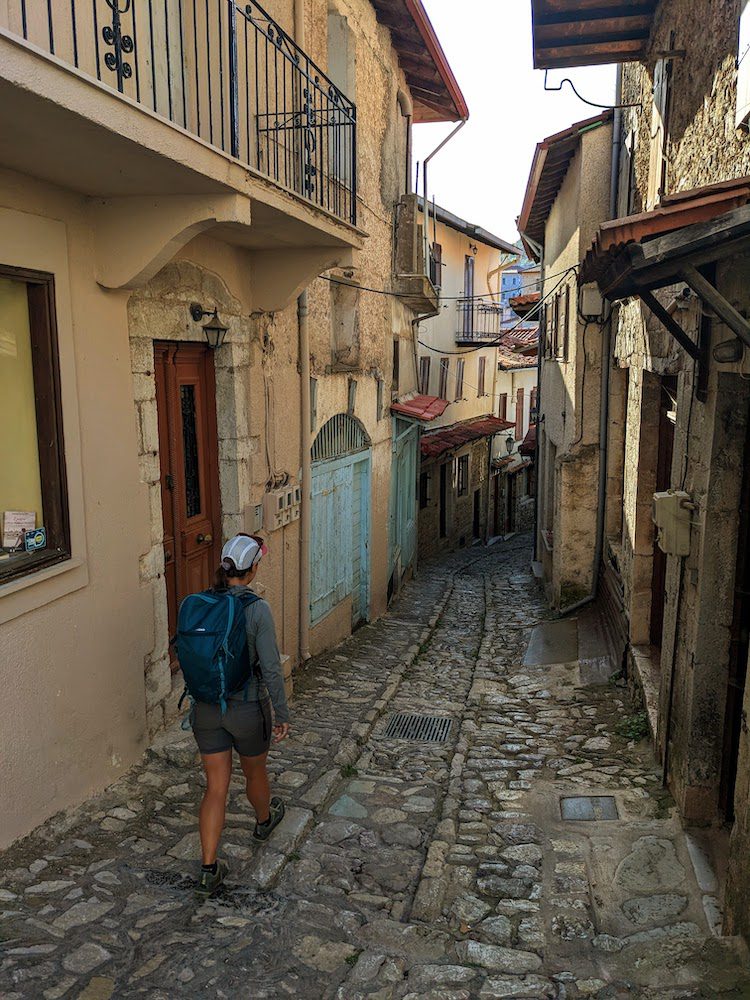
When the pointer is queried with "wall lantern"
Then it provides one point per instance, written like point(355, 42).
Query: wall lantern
point(509, 443)
point(214, 330)
point(729, 351)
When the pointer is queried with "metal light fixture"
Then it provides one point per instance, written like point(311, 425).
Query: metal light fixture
point(214, 330)
point(729, 351)
point(509, 443)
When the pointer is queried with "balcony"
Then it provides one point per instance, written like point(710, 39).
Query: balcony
point(210, 106)
point(224, 72)
point(478, 322)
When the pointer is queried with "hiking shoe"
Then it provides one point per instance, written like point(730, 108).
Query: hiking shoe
point(210, 882)
point(263, 831)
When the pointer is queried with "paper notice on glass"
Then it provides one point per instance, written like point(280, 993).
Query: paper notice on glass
point(15, 525)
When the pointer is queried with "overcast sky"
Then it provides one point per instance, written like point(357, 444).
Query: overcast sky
point(481, 174)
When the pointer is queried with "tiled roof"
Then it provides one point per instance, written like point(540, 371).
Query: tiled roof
point(508, 360)
point(421, 407)
point(448, 438)
point(676, 211)
point(523, 304)
point(528, 445)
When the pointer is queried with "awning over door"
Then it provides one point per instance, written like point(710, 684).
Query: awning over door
point(639, 254)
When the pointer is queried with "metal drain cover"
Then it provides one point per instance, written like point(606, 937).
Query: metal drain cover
point(418, 728)
point(588, 807)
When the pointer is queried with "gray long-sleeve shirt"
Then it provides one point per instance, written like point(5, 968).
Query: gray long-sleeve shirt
point(262, 646)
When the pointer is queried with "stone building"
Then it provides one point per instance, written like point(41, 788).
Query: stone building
point(458, 371)
point(567, 196)
point(164, 381)
point(675, 266)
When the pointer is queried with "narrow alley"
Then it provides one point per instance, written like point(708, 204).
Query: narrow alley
point(437, 867)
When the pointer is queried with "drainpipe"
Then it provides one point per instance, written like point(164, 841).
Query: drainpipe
point(305, 429)
point(407, 111)
point(425, 203)
point(539, 251)
point(305, 518)
point(606, 348)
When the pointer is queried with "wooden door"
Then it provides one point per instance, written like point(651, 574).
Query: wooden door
point(443, 514)
point(188, 456)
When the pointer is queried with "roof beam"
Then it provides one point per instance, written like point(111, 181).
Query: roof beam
point(713, 298)
point(601, 13)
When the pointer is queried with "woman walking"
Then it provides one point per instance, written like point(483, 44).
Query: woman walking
point(245, 724)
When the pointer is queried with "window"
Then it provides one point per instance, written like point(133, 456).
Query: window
point(462, 475)
point(460, 364)
point(481, 369)
point(344, 325)
point(424, 489)
point(742, 111)
point(445, 364)
point(379, 393)
point(468, 304)
point(33, 489)
point(657, 171)
point(626, 181)
point(436, 265)
point(503, 408)
point(532, 404)
point(424, 376)
point(519, 415)
point(566, 323)
point(396, 367)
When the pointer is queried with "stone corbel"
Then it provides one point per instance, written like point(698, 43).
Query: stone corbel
point(136, 236)
point(279, 276)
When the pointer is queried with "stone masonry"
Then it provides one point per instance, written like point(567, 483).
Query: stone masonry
point(403, 869)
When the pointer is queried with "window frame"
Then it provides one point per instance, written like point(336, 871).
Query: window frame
point(424, 490)
point(742, 97)
point(460, 366)
point(462, 475)
point(481, 375)
point(43, 331)
point(425, 363)
point(445, 364)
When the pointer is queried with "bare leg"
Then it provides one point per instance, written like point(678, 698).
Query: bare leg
point(258, 788)
point(218, 768)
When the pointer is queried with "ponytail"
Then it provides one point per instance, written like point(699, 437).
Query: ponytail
point(225, 569)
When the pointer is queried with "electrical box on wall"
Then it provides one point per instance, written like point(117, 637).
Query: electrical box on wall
point(281, 506)
point(672, 515)
point(253, 517)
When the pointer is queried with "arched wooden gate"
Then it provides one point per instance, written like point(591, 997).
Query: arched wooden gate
point(339, 549)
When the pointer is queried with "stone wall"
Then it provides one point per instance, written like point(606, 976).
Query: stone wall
point(460, 510)
point(703, 147)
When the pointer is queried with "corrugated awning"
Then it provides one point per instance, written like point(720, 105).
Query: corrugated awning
point(449, 438)
point(590, 32)
point(424, 408)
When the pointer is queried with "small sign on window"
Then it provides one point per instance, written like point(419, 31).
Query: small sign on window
point(15, 525)
point(35, 539)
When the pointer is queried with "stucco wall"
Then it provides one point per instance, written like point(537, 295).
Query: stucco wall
point(570, 392)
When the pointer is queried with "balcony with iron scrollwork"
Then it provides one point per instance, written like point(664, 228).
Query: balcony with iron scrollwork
point(123, 98)
point(478, 321)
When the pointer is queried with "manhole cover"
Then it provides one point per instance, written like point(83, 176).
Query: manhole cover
point(588, 807)
point(421, 728)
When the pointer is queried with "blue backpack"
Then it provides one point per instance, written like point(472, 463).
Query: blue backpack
point(211, 645)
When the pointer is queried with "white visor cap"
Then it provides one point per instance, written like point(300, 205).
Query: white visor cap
point(245, 551)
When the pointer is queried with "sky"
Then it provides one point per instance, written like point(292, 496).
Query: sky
point(481, 174)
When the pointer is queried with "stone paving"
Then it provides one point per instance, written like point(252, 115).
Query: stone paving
point(403, 869)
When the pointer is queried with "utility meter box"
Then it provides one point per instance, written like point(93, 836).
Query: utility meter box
point(281, 506)
point(672, 515)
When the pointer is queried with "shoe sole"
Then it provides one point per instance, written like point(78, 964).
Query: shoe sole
point(262, 840)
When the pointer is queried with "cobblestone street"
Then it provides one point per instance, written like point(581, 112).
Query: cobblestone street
point(403, 869)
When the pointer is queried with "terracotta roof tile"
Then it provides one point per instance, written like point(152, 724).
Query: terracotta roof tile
point(421, 407)
point(448, 438)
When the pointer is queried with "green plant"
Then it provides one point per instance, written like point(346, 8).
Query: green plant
point(294, 856)
point(633, 727)
point(352, 959)
point(349, 771)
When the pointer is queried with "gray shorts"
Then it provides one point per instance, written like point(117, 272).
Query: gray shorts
point(246, 726)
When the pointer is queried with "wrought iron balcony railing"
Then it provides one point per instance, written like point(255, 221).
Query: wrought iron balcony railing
point(224, 71)
point(479, 320)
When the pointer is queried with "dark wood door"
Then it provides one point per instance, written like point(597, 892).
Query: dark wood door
point(510, 514)
point(188, 453)
point(443, 513)
point(663, 482)
point(497, 528)
point(734, 720)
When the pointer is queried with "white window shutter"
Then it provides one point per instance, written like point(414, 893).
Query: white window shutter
point(743, 68)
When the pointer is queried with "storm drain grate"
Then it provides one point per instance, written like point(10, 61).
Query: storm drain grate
point(588, 808)
point(421, 728)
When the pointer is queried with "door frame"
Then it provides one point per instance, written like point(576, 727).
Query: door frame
point(167, 351)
